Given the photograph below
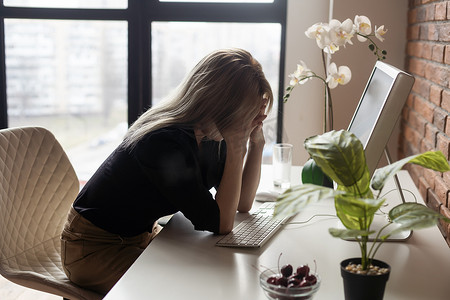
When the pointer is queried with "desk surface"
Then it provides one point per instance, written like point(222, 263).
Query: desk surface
point(182, 263)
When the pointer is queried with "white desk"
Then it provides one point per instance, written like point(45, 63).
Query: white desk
point(182, 263)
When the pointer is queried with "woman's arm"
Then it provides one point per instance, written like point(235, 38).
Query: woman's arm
point(229, 190)
point(252, 170)
point(238, 186)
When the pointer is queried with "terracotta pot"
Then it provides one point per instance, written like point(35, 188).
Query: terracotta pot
point(367, 287)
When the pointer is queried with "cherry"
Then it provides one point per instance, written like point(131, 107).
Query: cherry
point(272, 279)
point(293, 282)
point(286, 270)
point(302, 271)
point(282, 281)
point(311, 279)
point(305, 283)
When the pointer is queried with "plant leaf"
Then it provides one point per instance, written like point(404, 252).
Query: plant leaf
point(434, 160)
point(356, 213)
point(296, 198)
point(412, 216)
point(339, 154)
point(348, 233)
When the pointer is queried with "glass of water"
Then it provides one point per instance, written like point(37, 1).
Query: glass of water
point(282, 162)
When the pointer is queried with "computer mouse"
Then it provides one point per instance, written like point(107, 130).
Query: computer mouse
point(265, 196)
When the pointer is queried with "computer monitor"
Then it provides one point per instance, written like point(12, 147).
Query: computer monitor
point(379, 109)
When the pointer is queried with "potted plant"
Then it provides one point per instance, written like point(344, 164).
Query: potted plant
point(341, 157)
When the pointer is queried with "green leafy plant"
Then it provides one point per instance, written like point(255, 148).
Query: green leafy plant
point(341, 157)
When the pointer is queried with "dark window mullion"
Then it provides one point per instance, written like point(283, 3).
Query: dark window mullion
point(3, 105)
point(139, 68)
point(216, 12)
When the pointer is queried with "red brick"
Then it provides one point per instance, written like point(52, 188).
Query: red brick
point(425, 108)
point(441, 190)
point(443, 144)
point(447, 127)
point(433, 32)
point(438, 53)
point(429, 176)
point(441, 11)
point(417, 66)
point(413, 32)
point(421, 14)
point(447, 55)
point(410, 101)
point(439, 118)
point(427, 50)
point(445, 103)
point(421, 87)
point(431, 134)
point(446, 177)
point(430, 9)
point(436, 94)
point(433, 201)
point(412, 136)
point(448, 10)
point(443, 32)
point(412, 16)
point(416, 121)
point(437, 73)
point(426, 146)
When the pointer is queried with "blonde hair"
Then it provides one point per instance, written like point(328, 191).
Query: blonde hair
point(225, 87)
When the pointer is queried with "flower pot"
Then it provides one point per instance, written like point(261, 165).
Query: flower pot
point(360, 286)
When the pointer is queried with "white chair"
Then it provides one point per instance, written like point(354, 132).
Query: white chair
point(37, 187)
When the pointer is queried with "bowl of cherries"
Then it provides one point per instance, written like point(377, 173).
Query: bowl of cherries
point(285, 284)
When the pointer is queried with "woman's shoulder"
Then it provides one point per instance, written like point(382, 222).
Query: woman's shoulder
point(174, 135)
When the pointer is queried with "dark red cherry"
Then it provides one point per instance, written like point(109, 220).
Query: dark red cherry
point(305, 283)
point(282, 281)
point(293, 282)
point(272, 279)
point(311, 279)
point(286, 270)
point(302, 271)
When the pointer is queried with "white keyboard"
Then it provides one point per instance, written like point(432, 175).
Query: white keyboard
point(254, 231)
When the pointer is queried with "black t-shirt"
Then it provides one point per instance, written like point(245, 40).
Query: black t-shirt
point(165, 173)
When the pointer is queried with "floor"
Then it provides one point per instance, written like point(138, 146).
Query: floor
point(12, 291)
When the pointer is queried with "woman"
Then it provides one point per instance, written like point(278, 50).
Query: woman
point(169, 160)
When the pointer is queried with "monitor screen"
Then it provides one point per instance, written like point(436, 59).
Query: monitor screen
point(379, 108)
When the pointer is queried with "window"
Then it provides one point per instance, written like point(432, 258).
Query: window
point(87, 69)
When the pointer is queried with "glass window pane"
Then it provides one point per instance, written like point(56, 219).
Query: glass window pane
point(68, 3)
point(178, 46)
point(70, 77)
point(221, 1)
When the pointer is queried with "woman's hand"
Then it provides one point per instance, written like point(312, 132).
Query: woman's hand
point(257, 136)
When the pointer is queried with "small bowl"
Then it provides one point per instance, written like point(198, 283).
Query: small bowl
point(284, 293)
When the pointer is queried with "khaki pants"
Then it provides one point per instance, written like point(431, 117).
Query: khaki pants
point(94, 258)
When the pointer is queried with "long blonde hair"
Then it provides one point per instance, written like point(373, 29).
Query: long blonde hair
point(225, 87)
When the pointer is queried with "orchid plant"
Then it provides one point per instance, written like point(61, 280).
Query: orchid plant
point(330, 37)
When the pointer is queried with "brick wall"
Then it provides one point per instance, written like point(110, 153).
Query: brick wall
point(425, 122)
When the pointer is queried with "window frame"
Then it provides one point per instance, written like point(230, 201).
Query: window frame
point(139, 16)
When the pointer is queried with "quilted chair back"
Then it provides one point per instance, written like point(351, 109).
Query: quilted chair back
point(37, 187)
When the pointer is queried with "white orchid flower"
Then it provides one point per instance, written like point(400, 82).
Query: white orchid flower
point(338, 76)
point(341, 33)
point(379, 32)
point(362, 26)
point(300, 75)
point(319, 32)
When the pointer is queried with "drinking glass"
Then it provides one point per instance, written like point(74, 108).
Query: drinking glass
point(282, 162)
